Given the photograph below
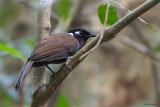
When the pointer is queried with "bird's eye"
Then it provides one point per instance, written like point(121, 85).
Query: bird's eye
point(77, 32)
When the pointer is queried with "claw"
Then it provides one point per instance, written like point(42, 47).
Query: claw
point(67, 63)
point(52, 76)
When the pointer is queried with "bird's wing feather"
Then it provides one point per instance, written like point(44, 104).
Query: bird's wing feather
point(23, 74)
point(54, 47)
point(52, 57)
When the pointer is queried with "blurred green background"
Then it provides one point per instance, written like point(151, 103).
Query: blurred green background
point(114, 75)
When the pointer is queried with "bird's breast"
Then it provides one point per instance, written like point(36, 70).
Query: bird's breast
point(75, 50)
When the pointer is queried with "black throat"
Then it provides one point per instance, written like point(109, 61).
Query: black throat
point(82, 41)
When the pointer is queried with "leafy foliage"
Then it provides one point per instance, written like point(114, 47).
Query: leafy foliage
point(11, 51)
point(121, 6)
point(6, 100)
point(62, 101)
point(112, 14)
point(157, 48)
point(29, 42)
point(8, 12)
point(149, 25)
point(64, 7)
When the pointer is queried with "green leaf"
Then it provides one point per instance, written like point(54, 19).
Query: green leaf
point(9, 11)
point(112, 14)
point(113, 18)
point(157, 48)
point(62, 101)
point(11, 51)
point(64, 7)
point(118, 4)
point(149, 25)
point(6, 100)
point(29, 42)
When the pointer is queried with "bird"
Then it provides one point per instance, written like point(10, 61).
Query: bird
point(55, 49)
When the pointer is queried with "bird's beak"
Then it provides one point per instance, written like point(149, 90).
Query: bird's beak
point(92, 35)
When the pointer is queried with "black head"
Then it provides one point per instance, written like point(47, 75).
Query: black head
point(81, 33)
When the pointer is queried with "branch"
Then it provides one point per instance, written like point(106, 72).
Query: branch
point(140, 35)
point(140, 48)
point(43, 30)
point(155, 75)
point(43, 93)
point(154, 66)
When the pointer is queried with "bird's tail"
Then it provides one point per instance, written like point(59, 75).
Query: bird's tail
point(23, 74)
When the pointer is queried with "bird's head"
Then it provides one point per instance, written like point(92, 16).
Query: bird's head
point(81, 33)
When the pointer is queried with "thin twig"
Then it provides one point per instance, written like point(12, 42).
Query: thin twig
point(102, 32)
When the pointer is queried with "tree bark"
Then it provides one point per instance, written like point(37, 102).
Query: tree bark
point(43, 22)
point(42, 94)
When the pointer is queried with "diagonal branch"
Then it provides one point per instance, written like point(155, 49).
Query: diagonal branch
point(154, 66)
point(43, 93)
point(147, 51)
point(140, 48)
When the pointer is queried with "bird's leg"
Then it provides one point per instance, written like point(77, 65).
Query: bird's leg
point(67, 62)
point(53, 73)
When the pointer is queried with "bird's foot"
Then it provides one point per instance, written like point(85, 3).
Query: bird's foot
point(53, 75)
point(67, 63)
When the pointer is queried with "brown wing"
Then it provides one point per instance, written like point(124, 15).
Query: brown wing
point(54, 47)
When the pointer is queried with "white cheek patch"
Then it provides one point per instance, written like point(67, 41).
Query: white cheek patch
point(77, 32)
point(71, 34)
